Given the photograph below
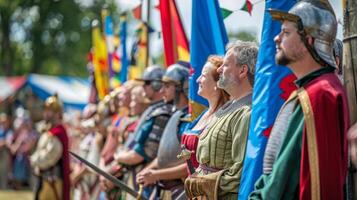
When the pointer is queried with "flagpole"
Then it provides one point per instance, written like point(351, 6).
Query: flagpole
point(350, 61)
point(350, 75)
point(147, 33)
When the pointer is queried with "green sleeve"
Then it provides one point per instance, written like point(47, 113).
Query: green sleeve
point(229, 181)
point(283, 181)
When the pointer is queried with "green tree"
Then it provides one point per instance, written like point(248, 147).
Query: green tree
point(47, 36)
point(244, 36)
point(6, 48)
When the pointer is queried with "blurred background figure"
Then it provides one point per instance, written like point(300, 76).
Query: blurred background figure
point(119, 103)
point(6, 135)
point(50, 161)
point(23, 142)
point(122, 123)
point(84, 182)
point(148, 131)
point(139, 103)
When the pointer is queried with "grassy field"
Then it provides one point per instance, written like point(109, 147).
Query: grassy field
point(16, 195)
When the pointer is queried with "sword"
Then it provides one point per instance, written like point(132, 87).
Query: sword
point(110, 177)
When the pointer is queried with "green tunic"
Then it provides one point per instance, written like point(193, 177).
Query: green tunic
point(283, 182)
point(222, 146)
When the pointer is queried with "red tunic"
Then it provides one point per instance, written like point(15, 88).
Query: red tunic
point(330, 113)
point(60, 132)
point(190, 139)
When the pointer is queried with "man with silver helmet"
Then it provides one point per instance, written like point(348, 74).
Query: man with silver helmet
point(51, 158)
point(143, 147)
point(164, 170)
point(306, 154)
point(152, 82)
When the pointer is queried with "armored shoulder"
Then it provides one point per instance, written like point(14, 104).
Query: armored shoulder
point(161, 109)
point(48, 151)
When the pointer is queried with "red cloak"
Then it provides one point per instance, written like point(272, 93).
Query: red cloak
point(331, 119)
point(60, 132)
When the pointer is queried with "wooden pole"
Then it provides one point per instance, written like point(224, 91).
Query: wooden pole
point(350, 76)
point(349, 58)
point(148, 33)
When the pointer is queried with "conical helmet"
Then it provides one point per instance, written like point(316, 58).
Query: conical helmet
point(53, 103)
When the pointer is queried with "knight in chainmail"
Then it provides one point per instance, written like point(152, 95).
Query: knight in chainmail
point(163, 170)
point(221, 146)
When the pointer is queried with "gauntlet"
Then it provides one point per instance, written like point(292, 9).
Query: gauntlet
point(202, 185)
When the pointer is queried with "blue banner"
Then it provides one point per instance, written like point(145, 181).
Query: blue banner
point(208, 36)
point(124, 56)
point(273, 85)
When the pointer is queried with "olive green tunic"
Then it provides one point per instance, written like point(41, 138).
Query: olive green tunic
point(222, 146)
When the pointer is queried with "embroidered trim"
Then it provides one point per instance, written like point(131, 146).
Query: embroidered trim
point(311, 143)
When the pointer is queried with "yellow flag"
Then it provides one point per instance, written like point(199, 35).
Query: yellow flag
point(100, 62)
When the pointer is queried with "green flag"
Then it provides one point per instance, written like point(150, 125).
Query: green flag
point(225, 13)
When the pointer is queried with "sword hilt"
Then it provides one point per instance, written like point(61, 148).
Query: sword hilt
point(185, 153)
point(140, 193)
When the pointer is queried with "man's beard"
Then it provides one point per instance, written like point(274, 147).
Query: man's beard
point(282, 59)
point(222, 82)
point(226, 83)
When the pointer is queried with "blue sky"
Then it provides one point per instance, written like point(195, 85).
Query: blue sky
point(238, 20)
point(241, 20)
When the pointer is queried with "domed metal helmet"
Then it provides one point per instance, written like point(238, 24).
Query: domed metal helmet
point(53, 103)
point(177, 73)
point(315, 18)
point(152, 73)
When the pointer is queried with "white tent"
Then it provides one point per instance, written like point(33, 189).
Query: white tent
point(73, 91)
